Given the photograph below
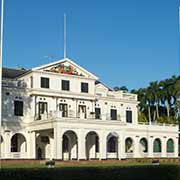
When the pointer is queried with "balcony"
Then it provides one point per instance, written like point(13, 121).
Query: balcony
point(74, 115)
point(129, 96)
point(14, 84)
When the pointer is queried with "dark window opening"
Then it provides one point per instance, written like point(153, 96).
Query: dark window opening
point(65, 85)
point(129, 116)
point(64, 109)
point(84, 87)
point(18, 108)
point(82, 109)
point(43, 108)
point(97, 144)
point(44, 82)
point(112, 144)
point(97, 113)
point(113, 114)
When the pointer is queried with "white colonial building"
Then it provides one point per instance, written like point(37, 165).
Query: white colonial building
point(61, 111)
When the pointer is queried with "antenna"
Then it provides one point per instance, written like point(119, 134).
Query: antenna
point(65, 49)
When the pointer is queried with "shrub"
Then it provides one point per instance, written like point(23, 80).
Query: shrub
point(142, 117)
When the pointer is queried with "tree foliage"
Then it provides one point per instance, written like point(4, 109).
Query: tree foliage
point(160, 101)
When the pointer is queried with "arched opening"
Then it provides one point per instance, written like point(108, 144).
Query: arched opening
point(143, 148)
point(92, 145)
point(157, 146)
point(18, 143)
point(170, 146)
point(70, 145)
point(129, 147)
point(112, 146)
point(43, 147)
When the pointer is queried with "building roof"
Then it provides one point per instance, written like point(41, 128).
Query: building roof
point(11, 73)
point(99, 82)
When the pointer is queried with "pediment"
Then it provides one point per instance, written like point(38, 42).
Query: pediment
point(67, 67)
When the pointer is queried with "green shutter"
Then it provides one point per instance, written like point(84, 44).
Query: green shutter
point(157, 146)
point(170, 146)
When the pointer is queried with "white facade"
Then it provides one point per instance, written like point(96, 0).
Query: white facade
point(42, 121)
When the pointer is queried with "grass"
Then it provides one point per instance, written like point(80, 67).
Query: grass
point(95, 170)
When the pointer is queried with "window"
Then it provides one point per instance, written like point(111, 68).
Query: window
point(18, 108)
point(43, 108)
point(113, 114)
point(64, 109)
point(129, 116)
point(82, 110)
point(84, 87)
point(65, 85)
point(31, 80)
point(44, 82)
point(112, 142)
point(97, 113)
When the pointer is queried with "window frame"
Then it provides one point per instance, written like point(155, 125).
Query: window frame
point(127, 117)
point(84, 89)
point(63, 86)
point(17, 110)
point(46, 84)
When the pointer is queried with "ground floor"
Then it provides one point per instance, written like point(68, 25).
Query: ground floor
point(62, 142)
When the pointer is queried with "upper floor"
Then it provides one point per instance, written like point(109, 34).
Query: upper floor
point(63, 90)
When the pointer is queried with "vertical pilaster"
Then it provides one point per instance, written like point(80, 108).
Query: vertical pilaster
point(31, 145)
point(136, 147)
point(103, 146)
point(163, 147)
point(176, 147)
point(7, 144)
point(81, 145)
point(57, 143)
point(150, 147)
point(121, 146)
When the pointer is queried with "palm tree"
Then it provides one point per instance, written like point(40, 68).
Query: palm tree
point(155, 92)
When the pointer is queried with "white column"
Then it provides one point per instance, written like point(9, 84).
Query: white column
point(57, 143)
point(176, 147)
point(31, 145)
point(136, 147)
point(163, 147)
point(81, 145)
point(103, 146)
point(7, 144)
point(150, 147)
point(121, 146)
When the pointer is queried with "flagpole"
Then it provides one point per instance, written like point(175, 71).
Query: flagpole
point(1, 58)
point(65, 50)
point(179, 39)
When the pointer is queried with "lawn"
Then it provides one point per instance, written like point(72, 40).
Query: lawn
point(94, 171)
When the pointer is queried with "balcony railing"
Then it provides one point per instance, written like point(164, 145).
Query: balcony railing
point(14, 83)
point(129, 155)
point(72, 114)
point(112, 155)
point(170, 155)
point(129, 96)
point(156, 124)
point(18, 155)
point(157, 154)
